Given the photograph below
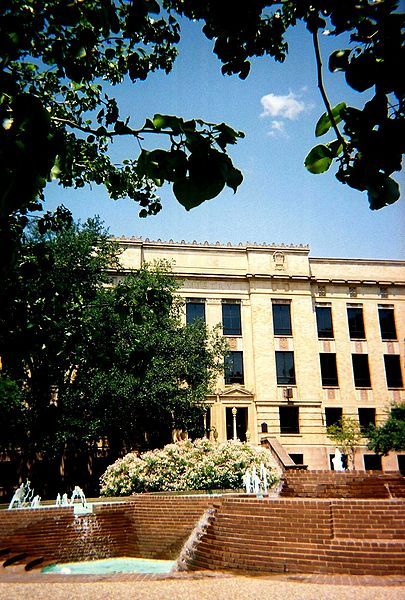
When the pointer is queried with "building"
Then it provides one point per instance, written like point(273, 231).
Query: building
point(311, 339)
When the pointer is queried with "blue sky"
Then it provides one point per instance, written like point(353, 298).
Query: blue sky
point(277, 107)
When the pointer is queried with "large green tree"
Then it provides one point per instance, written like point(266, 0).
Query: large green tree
point(391, 434)
point(84, 361)
point(59, 117)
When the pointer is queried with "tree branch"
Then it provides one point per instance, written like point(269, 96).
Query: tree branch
point(323, 92)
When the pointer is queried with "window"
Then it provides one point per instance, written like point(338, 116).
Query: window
point(366, 418)
point(361, 371)
point(324, 321)
point(333, 415)
point(328, 369)
point(356, 323)
point(231, 318)
point(281, 319)
point(265, 427)
point(285, 368)
point(401, 463)
point(234, 368)
point(387, 322)
point(372, 462)
point(195, 310)
point(289, 419)
point(298, 459)
point(393, 370)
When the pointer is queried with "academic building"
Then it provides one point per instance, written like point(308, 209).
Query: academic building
point(310, 340)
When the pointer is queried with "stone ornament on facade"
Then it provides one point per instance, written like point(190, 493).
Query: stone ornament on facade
point(279, 261)
point(352, 291)
point(321, 291)
point(383, 291)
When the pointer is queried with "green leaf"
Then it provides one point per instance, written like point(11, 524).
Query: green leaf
point(191, 194)
point(318, 159)
point(339, 60)
point(383, 193)
point(324, 123)
point(234, 179)
point(336, 147)
point(168, 122)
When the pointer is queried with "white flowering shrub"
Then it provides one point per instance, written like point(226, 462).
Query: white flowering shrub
point(198, 465)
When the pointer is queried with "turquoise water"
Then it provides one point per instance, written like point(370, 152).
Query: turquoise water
point(112, 565)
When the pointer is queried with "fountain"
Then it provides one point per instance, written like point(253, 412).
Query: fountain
point(337, 461)
point(24, 498)
point(255, 483)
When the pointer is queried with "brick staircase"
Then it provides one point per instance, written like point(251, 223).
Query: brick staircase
point(304, 535)
point(343, 484)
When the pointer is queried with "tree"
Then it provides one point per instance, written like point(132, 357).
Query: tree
point(59, 122)
point(391, 435)
point(43, 298)
point(144, 373)
point(346, 435)
point(92, 361)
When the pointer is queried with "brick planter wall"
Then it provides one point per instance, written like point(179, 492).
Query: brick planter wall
point(147, 526)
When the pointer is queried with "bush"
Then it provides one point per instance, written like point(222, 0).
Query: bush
point(198, 465)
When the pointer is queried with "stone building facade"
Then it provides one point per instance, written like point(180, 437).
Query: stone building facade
point(310, 339)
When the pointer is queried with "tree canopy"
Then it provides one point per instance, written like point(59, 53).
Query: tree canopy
point(85, 362)
point(59, 117)
point(391, 434)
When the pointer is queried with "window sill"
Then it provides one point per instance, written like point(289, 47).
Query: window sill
point(389, 339)
point(232, 335)
point(363, 387)
point(323, 338)
point(358, 339)
point(283, 335)
point(330, 387)
point(395, 388)
point(297, 435)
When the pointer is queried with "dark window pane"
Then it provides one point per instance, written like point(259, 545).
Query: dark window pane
point(234, 368)
point(361, 371)
point(356, 323)
point(298, 459)
point(372, 462)
point(194, 312)
point(366, 418)
point(285, 368)
point(324, 321)
point(401, 463)
point(393, 370)
point(289, 419)
point(328, 369)
point(333, 415)
point(231, 319)
point(387, 324)
point(281, 319)
point(265, 428)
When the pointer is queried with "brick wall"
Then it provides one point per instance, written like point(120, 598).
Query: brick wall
point(343, 484)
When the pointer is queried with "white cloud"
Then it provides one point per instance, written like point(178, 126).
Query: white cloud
point(286, 107)
point(277, 127)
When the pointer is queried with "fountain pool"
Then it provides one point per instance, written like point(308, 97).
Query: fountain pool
point(125, 564)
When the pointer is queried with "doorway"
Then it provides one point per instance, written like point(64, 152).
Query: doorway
point(241, 423)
